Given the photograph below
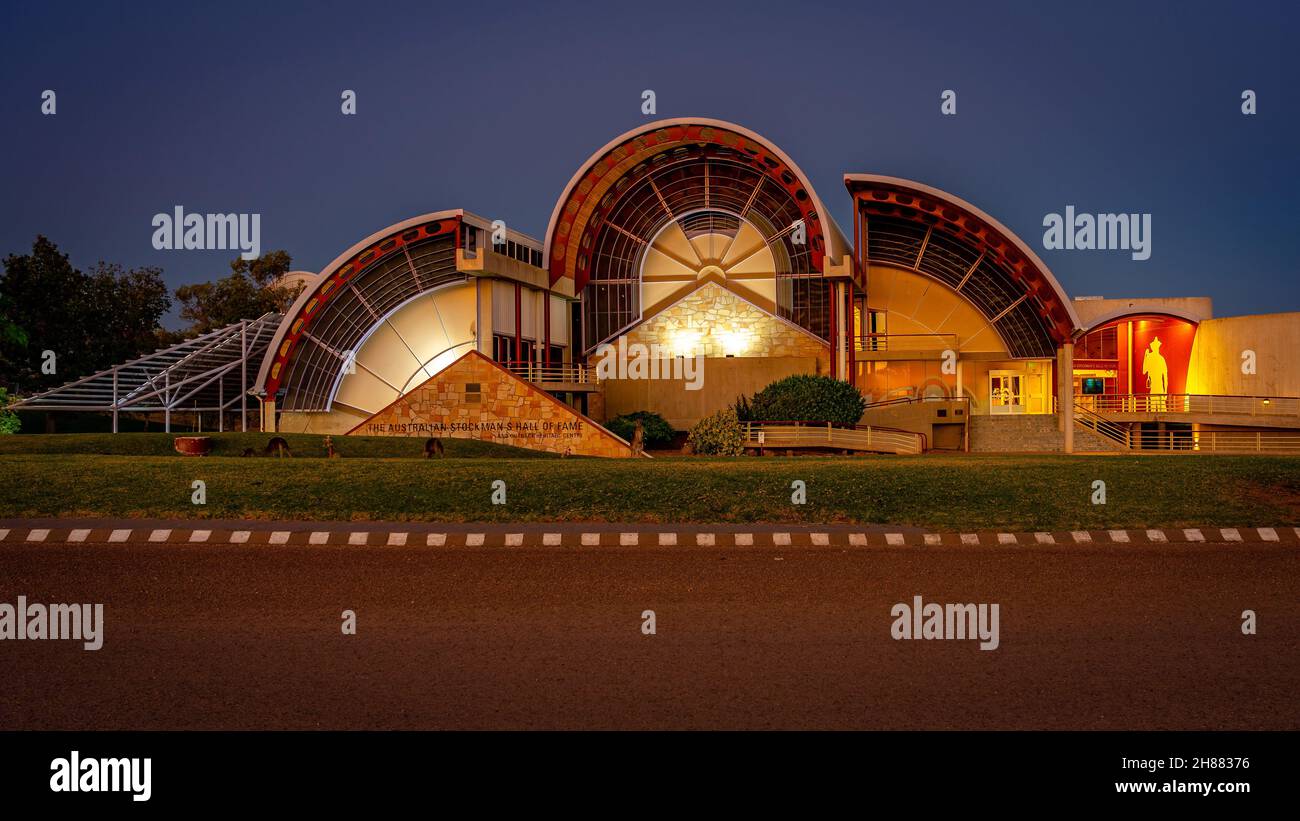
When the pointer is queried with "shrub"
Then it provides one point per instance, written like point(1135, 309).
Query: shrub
point(9, 421)
point(718, 435)
point(743, 411)
point(807, 398)
point(658, 433)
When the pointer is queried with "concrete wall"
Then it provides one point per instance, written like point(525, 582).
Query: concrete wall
point(1093, 312)
point(1217, 356)
point(724, 380)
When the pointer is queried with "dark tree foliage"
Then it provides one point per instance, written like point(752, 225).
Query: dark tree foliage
point(252, 289)
point(656, 430)
point(90, 321)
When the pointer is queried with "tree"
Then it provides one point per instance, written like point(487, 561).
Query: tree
point(88, 321)
point(252, 289)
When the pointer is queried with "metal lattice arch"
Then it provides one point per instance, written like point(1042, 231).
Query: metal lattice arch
point(384, 316)
point(672, 202)
point(207, 374)
point(910, 226)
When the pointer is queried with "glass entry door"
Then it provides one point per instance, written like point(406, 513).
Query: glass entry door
point(1006, 392)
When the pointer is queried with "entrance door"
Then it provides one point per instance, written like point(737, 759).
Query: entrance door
point(1006, 392)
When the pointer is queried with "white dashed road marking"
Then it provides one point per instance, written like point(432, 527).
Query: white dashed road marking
point(1193, 535)
point(37, 535)
point(895, 539)
point(119, 535)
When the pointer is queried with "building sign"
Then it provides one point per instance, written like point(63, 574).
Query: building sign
point(475, 398)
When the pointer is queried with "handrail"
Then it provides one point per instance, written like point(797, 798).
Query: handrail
point(867, 343)
point(1190, 403)
point(828, 435)
point(1189, 441)
point(560, 372)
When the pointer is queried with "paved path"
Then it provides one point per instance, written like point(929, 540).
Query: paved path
point(1093, 635)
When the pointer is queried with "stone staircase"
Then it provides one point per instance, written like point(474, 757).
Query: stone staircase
point(1031, 433)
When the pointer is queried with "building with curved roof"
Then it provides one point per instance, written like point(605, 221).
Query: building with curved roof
point(693, 241)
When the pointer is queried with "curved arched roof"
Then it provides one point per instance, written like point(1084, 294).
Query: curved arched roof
point(937, 234)
point(752, 172)
point(350, 295)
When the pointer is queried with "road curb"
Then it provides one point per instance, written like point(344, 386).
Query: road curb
point(569, 535)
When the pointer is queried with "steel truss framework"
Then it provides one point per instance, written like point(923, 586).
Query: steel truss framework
point(209, 373)
point(626, 195)
point(350, 298)
point(902, 225)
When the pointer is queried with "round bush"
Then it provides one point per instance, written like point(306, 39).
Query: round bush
point(718, 435)
point(658, 433)
point(808, 398)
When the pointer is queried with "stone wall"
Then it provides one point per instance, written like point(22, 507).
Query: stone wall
point(715, 322)
point(504, 409)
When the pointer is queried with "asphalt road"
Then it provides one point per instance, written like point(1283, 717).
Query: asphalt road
point(206, 637)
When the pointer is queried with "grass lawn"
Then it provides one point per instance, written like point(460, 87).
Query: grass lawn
point(384, 479)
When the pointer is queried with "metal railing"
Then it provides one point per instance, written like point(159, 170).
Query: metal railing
point(792, 435)
point(1189, 441)
point(867, 343)
point(1190, 403)
point(1119, 434)
point(570, 373)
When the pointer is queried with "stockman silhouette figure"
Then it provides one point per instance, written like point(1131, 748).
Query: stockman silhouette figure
point(1157, 373)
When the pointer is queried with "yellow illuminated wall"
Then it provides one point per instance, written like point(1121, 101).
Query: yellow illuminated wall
point(915, 304)
point(714, 322)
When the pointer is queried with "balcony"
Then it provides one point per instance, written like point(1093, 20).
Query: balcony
point(564, 377)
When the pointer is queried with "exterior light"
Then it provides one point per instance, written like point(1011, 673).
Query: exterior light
point(734, 342)
point(684, 342)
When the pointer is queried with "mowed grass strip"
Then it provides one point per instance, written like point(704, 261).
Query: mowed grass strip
point(942, 492)
point(302, 445)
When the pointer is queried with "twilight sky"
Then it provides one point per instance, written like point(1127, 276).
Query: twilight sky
point(491, 107)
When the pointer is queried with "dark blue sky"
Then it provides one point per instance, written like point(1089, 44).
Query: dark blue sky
point(234, 107)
